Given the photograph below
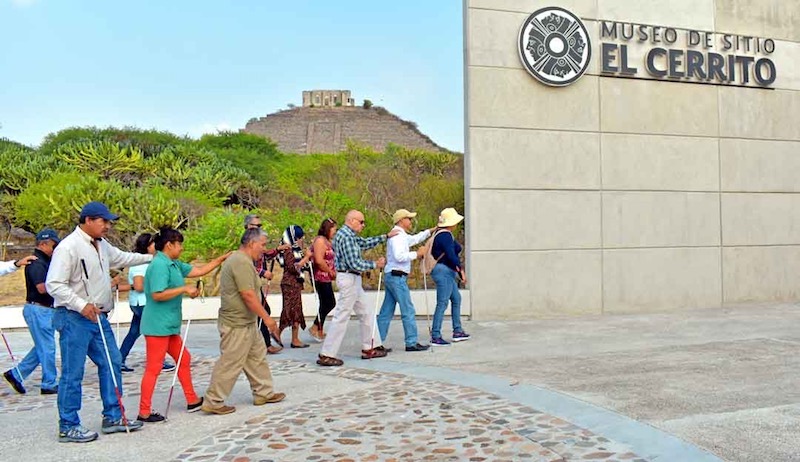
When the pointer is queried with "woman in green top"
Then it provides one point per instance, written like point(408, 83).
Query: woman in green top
point(164, 288)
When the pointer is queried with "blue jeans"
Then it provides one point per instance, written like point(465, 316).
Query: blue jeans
point(79, 338)
point(446, 290)
point(40, 323)
point(397, 292)
point(133, 332)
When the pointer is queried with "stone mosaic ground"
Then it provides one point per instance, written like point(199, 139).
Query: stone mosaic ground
point(393, 418)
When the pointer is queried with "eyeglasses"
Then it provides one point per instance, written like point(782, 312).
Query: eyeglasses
point(361, 221)
point(255, 225)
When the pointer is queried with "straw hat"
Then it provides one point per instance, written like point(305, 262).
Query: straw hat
point(449, 217)
point(402, 213)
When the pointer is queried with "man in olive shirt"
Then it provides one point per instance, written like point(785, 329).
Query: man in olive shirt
point(241, 345)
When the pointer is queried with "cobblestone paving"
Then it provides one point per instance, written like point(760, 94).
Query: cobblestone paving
point(395, 418)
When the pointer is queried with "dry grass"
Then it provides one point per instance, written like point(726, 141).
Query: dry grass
point(12, 288)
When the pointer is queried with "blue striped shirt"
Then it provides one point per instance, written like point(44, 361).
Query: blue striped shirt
point(347, 248)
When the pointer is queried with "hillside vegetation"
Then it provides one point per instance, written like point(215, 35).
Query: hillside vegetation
point(205, 187)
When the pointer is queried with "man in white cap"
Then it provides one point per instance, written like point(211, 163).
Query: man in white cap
point(79, 281)
point(398, 266)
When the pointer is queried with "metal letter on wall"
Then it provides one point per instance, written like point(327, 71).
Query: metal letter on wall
point(554, 46)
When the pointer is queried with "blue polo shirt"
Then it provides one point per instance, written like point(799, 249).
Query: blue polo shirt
point(163, 318)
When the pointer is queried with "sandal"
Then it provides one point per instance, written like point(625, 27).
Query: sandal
point(302, 345)
point(272, 350)
point(328, 361)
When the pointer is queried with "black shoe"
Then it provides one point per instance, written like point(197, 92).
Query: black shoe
point(152, 418)
point(125, 369)
point(417, 347)
point(15, 384)
point(196, 406)
point(50, 391)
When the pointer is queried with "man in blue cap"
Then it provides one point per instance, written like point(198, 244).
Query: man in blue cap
point(38, 313)
point(80, 284)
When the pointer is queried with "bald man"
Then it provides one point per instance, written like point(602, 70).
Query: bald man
point(347, 249)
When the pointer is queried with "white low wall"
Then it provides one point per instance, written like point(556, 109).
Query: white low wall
point(11, 316)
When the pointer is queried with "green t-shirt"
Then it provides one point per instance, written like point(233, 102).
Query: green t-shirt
point(163, 318)
point(238, 274)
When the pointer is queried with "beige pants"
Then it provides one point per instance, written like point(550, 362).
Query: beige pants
point(241, 349)
point(351, 299)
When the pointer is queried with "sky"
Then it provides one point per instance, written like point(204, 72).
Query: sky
point(194, 67)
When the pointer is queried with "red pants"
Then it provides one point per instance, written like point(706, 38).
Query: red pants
point(157, 349)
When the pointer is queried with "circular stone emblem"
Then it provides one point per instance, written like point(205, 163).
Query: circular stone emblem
point(554, 46)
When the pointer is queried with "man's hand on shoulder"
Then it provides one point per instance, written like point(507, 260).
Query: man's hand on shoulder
point(25, 261)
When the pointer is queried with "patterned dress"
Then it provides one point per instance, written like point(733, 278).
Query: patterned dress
point(292, 290)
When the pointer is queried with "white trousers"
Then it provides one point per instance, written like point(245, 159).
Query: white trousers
point(351, 298)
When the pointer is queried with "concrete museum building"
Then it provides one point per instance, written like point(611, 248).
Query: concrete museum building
point(628, 156)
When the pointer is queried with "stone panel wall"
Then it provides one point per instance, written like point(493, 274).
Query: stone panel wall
point(311, 130)
point(618, 195)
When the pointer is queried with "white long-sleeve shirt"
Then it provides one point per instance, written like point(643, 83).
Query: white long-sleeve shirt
point(66, 281)
point(7, 267)
point(398, 250)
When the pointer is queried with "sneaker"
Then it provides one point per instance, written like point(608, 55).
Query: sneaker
point(273, 398)
point(50, 391)
point(222, 410)
point(167, 367)
point(439, 342)
point(152, 418)
point(120, 425)
point(196, 406)
point(417, 347)
point(460, 336)
point(125, 369)
point(77, 435)
point(15, 384)
point(373, 353)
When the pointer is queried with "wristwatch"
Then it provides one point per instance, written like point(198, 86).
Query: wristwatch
point(15, 264)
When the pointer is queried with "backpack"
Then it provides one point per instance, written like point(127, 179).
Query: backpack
point(428, 262)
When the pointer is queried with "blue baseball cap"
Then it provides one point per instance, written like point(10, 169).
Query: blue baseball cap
point(97, 209)
point(47, 234)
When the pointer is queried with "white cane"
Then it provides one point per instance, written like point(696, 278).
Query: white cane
point(178, 366)
point(13, 360)
point(425, 291)
point(316, 296)
point(116, 304)
point(375, 318)
point(105, 347)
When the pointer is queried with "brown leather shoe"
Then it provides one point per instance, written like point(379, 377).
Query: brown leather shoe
point(273, 398)
point(373, 353)
point(222, 410)
point(329, 361)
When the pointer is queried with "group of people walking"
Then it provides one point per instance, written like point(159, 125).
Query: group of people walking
point(69, 289)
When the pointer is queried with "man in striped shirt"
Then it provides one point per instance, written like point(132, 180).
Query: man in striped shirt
point(347, 248)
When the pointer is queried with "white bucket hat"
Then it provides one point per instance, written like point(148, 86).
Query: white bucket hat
point(449, 217)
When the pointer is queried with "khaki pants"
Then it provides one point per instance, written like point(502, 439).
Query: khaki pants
point(241, 349)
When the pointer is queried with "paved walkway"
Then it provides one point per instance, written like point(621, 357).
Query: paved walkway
point(555, 390)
